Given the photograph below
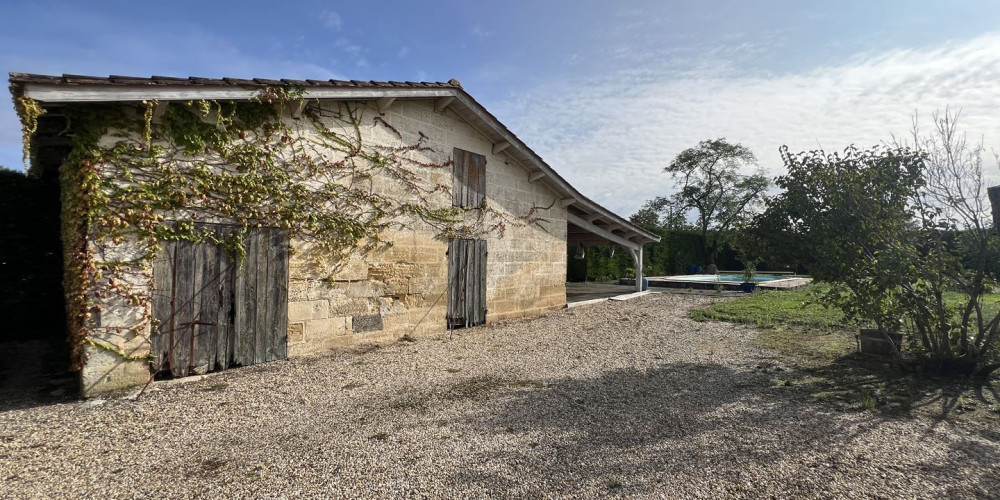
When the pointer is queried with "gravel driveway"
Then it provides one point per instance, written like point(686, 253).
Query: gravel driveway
point(616, 399)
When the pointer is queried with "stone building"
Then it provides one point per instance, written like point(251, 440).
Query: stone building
point(194, 307)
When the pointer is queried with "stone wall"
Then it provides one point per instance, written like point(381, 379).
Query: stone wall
point(401, 290)
point(385, 293)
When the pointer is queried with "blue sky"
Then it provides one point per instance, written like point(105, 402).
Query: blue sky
point(606, 92)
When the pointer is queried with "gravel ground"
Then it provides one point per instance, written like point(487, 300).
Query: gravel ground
point(615, 399)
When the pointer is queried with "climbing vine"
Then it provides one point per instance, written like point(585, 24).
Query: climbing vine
point(140, 174)
point(28, 110)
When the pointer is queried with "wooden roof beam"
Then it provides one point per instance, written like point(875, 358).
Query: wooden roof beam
point(536, 176)
point(607, 235)
point(383, 104)
point(500, 146)
point(441, 104)
point(159, 110)
point(297, 108)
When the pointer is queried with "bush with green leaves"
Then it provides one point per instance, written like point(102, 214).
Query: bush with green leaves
point(881, 224)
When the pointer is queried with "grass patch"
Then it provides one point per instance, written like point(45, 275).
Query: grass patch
point(811, 344)
point(821, 347)
point(775, 309)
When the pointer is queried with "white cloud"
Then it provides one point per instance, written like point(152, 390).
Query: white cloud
point(611, 137)
point(481, 33)
point(331, 19)
point(403, 51)
point(192, 52)
point(346, 45)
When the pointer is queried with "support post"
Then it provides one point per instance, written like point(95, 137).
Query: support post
point(637, 257)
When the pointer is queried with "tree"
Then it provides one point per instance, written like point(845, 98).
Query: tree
point(891, 227)
point(848, 213)
point(957, 334)
point(659, 213)
point(711, 184)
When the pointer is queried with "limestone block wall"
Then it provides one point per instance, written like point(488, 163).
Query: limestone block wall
point(401, 289)
point(385, 293)
point(118, 326)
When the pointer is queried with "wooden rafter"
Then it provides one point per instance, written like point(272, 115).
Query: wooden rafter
point(443, 103)
point(383, 104)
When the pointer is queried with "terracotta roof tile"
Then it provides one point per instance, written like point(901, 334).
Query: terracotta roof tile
point(121, 80)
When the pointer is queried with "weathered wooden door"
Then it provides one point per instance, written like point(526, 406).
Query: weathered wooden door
point(466, 283)
point(212, 313)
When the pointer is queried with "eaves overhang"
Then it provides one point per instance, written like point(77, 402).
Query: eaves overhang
point(584, 213)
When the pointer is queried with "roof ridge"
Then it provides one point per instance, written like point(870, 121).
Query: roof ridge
point(121, 80)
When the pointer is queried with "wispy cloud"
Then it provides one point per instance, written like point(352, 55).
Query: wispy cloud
point(347, 46)
point(481, 33)
point(331, 19)
point(126, 51)
point(612, 136)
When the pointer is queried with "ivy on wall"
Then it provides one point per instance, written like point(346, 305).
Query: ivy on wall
point(143, 173)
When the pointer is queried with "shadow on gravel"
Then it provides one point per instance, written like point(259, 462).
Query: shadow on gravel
point(856, 381)
point(35, 373)
point(630, 430)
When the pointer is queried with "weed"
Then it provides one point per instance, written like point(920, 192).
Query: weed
point(868, 400)
point(407, 338)
point(994, 408)
point(367, 348)
point(212, 464)
point(787, 383)
point(119, 470)
point(215, 387)
point(452, 370)
point(614, 485)
point(475, 387)
point(379, 436)
point(352, 385)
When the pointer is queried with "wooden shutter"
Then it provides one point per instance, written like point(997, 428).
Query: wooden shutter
point(469, 179)
point(212, 313)
point(261, 299)
point(466, 283)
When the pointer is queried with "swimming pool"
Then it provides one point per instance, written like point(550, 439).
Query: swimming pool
point(724, 281)
point(712, 278)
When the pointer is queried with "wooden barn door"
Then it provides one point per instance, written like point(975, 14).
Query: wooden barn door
point(211, 313)
point(466, 283)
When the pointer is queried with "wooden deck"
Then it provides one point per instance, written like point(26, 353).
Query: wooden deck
point(786, 284)
point(790, 283)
